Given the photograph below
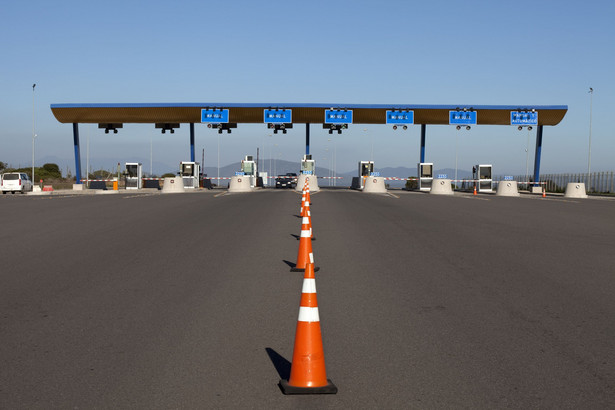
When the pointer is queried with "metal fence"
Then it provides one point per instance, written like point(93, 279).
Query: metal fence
point(599, 182)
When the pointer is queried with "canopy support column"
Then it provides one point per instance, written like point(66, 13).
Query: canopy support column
point(537, 154)
point(423, 129)
point(77, 153)
point(307, 139)
point(192, 142)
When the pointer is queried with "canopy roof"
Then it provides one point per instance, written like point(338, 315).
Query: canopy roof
point(301, 113)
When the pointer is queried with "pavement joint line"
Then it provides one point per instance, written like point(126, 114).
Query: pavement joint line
point(220, 194)
point(393, 195)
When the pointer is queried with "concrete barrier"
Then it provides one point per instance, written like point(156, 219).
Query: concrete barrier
point(441, 187)
point(240, 183)
point(375, 185)
point(507, 188)
point(313, 183)
point(172, 185)
point(78, 187)
point(575, 190)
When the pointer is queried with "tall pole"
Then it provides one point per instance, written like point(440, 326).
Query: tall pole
point(151, 156)
point(527, 156)
point(218, 160)
point(33, 132)
point(456, 155)
point(589, 156)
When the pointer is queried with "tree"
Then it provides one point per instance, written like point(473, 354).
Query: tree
point(2, 166)
point(53, 169)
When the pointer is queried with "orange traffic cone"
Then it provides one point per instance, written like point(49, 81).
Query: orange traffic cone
point(474, 189)
point(544, 191)
point(306, 213)
point(307, 372)
point(305, 254)
point(302, 203)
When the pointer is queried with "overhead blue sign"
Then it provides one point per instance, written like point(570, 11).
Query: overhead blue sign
point(338, 116)
point(462, 117)
point(214, 115)
point(523, 118)
point(400, 117)
point(278, 116)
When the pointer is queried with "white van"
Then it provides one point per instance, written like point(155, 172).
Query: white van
point(15, 182)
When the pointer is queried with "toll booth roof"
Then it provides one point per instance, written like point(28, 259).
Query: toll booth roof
point(116, 113)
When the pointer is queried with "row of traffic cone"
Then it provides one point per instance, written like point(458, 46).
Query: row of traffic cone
point(307, 373)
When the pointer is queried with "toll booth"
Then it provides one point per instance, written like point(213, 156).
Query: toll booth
point(483, 174)
point(134, 175)
point(308, 165)
point(248, 167)
point(189, 172)
point(425, 176)
point(365, 170)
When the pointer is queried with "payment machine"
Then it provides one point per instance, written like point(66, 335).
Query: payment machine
point(425, 176)
point(365, 170)
point(483, 173)
point(308, 165)
point(248, 167)
point(189, 172)
point(134, 173)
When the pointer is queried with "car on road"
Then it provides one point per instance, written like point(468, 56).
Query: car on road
point(15, 182)
point(286, 181)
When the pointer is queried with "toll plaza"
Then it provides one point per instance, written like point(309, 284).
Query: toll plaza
point(333, 117)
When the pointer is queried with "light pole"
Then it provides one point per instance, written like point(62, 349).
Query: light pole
point(218, 184)
point(33, 133)
point(527, 156)
point(456, 150)
point(589, 156)
point(151, 156)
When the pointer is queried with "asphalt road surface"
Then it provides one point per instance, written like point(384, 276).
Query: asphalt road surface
point(186, 300)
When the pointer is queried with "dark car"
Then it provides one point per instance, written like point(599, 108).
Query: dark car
point(286, 181)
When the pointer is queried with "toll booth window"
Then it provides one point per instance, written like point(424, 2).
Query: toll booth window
point(427, 171)
point(308, 166)
point(365, 170)
point(187, 170)
point(485, 173)
point(132, 170)
point(248, 168)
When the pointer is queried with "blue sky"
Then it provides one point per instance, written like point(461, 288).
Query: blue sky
point(436, 52)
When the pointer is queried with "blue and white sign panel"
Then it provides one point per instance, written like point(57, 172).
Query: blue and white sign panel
point(307, 172)
point(214, 116)
point(239, 173)
point(442, 176)
point(278, 116)
point(400, 117)
point(523, 118)
point(462, 117)
point(338, 116)
point(508, 178)
point(374, 174)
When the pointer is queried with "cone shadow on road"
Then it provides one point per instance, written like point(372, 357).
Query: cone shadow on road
point(297, 237)
point(282, 366)
point(289, 263)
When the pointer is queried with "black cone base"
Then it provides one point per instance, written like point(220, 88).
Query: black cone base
point(316, 269)
point(330, 388)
